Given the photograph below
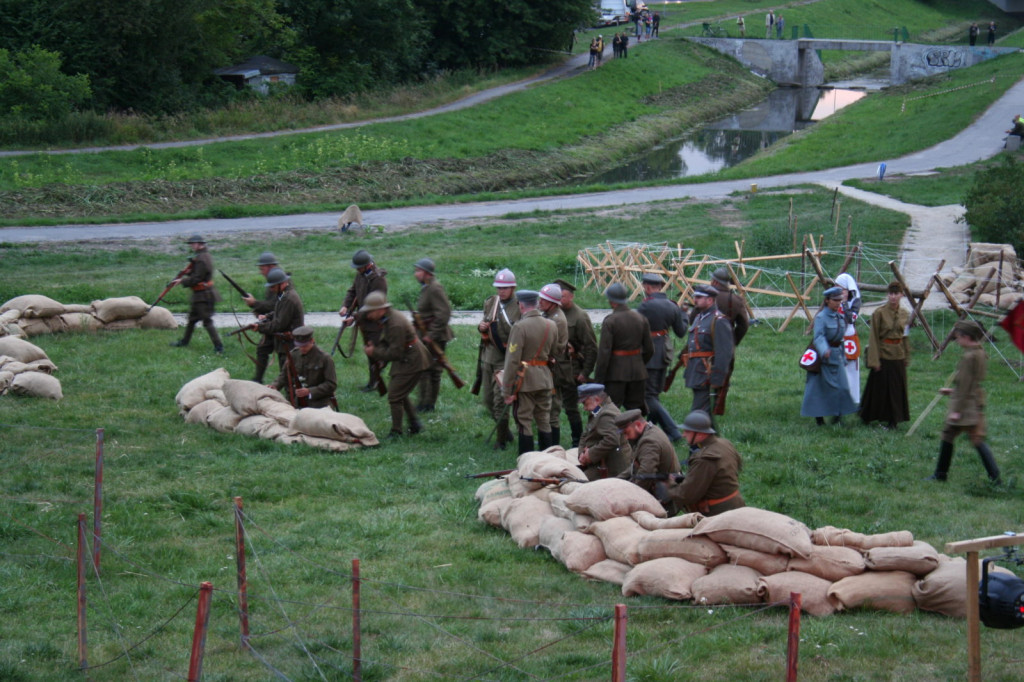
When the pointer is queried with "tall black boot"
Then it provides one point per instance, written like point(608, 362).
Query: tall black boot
point(544, 440)
point(989, 461)
point(261, 368)
point(576, 428)
point(942, 466)
point(556, 436)
point(186, 337)
point(502, 434)
point(525, 443)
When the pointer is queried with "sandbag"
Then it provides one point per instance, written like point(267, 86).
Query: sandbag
point(249, 426)
point(611, 497)
point(727, 584)
point(194, 392)
point(559, 508)
point(10, 317)
point(44, 366)
point(762, 562)
point(547, 465)
point(326, 423)
point(919, 559)
point(523, 518)
point(651, 522)
point(9, 364)
point(944, 590)
point(121, 325)
point(621, 538)
point(5, 380)
point(33, 305)
point(813, 591)
point(122, 308)
point(37, 385)
point(81, 322)
point(842, 537)
point(879, 590)
point(608, 571)
point(199, 413)
point(218, 395)
point(158, 318)
point(282, 412)
point(830, 563)
point(669, 578)
point(579, 552)
point(224, 420)
point(78, 308)
point(552, 530)
point(494, 489)
point(678, 542)
point(243, 395)
point(274, 431)
point(324, 443)
point(34, 326)
point(760, 529)
point(492, 512)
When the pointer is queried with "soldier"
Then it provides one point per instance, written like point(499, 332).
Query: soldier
point(400, 346)
point(286, 316)
point(369, 278)
point(664, 316)
point(204, 294)
point(434, 312)
point(623, 352)
point(654, 458)
point(732, 306)
point(711, 484)
point(501, 311)
point(709, 349)
point(267, 262)
point(311, 373)
point(604, 450)
point(526, 379)
point(561, 370)
point(582, 353)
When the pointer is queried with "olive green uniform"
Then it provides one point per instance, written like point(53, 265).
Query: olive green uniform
point(435, 311)
point(204, 296)
point(400, 347)
point(500, 316)
point(314, 370)
point(622, 355)
point(530, 344)
point(366, 282)
point(712, 482)
point(607, 448)
point(654, 460)
point(583, 355)
point(561, 369)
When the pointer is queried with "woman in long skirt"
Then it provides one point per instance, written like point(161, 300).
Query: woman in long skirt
point(826, 393)
point(851, 343)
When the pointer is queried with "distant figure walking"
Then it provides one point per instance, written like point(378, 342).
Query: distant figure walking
point(769, 24)
point(991, 33)
point(972, 33)
point(741, 26)
point(780, 24)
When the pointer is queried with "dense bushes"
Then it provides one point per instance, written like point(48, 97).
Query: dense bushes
point(995, 204)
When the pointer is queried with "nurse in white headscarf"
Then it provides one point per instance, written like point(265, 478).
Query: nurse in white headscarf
point(851, 344)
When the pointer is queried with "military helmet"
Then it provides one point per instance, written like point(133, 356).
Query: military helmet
point(361, 258)
point(616, 293)
point(504, 278)
point(267, 258)
point(375, 300)
point(426, 265)
point(722, 276)
point(698, 421)
point(277, 276)
point(551, 293)
point(195, 239)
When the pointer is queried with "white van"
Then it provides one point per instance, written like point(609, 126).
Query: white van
point(612, 12)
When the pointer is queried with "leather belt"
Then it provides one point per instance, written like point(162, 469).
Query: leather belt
point(660, 332)
point(621, 353)
point(537, 363)
point(703, 354)
point(892, 342)
point(704, 506)
point(203, 286)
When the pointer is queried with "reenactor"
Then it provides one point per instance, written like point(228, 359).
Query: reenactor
point(623, 352)
point(582, 353)
point(501, 311)
point(664, 317)
point(266, 262)
point(526, 379)
point(711, 483)
point(434, 313)
point(310, 378)
point(604, 451)
point(654, 457)
point(735, 309)
point(369, 278)
point(550, 304)
point(286, 316)
point(709, 349)
point(204, 294)
point(409, 358)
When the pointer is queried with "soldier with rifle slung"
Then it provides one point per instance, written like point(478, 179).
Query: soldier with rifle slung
point(654, 458)
point(666, 319)
point(267, 262)
point(709, 350)
point(501, 311)
point(604, 450)
point(434, 310)
point(204, 294)
point(735, 310)
point(582, 356)
point(561, 367)
point(369, 278)
point(286, 316)
point(309, 376)
point(527, 381)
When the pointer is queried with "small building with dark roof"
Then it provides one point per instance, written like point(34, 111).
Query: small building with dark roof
point(258, 73)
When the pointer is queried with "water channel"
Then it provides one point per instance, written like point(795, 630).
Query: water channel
point(728, 141)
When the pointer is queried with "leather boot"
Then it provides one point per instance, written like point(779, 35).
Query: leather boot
point(261, 368)
point(502, 435)
point(942, 466)
point(525, 443)
point(989, 461)
point(576, 428)
point(556, 436)
point(415, 426)
point(544, 440)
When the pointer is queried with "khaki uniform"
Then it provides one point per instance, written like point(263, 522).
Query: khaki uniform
point(622, 355)
point(435, 310)
point(500, 316)
point(583, 355)
point(366, 282)
point(400, 347)
point(315, 371)
point(654, 460)
point(204, 296)
point(608, 449)
point(530, 344)
point(968, 398)
point(288, 315)
point(666, 318)
point(712, 483)
point(732, 306)
point(561, 371)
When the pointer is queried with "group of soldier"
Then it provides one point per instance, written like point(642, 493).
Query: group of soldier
point(538, 356)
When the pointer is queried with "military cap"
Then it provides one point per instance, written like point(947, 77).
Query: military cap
point(552, 293)
point(277, 276)
point(698, 421)
point(361, 258)
point(722, 276)
point(504, 278)
point(652, 278)
point(375, 300)
point(565, 285)
point(527, 297)
point(969, 328)
point(616, 293)
point(584, 391)
point(704, 290)
point(426, 265)
point(834, 292)
point(627, 418)
point(894, 288)
point(303, 332)
point(267, 258)
point(195, 239)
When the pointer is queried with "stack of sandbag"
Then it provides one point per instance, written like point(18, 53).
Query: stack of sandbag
point(25, 369)
point(992, 272)
point(232, 406)
point(35, 314)
point(614, 531)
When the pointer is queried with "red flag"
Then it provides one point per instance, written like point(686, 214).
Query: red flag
point(1013, 323)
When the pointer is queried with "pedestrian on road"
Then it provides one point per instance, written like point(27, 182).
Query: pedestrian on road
point(972, 33)
point(741, 26)
point(780, 25)
point(769, 24)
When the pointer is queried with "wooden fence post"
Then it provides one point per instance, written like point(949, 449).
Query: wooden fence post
point(97, 503)
point(243, 581)
point(357, 640)
point(619, 645)
point(195, 663)
point(793, 644)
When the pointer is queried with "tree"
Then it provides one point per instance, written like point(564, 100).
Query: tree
point(33, 87)
point(995, 204)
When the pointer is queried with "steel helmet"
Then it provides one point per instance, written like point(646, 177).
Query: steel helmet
point(277, 276)
point(361, 258)
point(195, 239)
point(426, 265)
point(267, 258)
point(698, 421)
point(504, 278)
point(551, 293)
point(616, 293)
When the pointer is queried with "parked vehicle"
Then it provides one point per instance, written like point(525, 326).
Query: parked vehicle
point(611, 13)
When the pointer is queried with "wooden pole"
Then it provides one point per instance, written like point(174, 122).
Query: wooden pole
point(195, 662)
point(835, 227)
point(243, 581)
point(793, 641)
point(97, 503)
point(849, 231)
point(916, 306)
point(83, 550)
point(619, 645)
point(357, 640)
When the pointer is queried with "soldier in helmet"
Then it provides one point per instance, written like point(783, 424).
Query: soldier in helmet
point(623, 352)
point(526, 379)
point(204, 294)
point(604, 451)
point(399, 346)
point(654, 458)
point(501, 311)
point(288, 314)
point(711, 484)
point(710, 348)
point(732, 306)
point(369, 278)
point(666, 318)
point(434, 312)
point(550, 303)
point(314, 380)
point(582, 355)
point(266, 262)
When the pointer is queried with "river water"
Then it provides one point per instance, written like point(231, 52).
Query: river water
point(728, 141)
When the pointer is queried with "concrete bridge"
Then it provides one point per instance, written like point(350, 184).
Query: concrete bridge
point(796, 62)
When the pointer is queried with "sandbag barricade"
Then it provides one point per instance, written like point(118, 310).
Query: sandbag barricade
point(26, 370)
point(613, 531)
point(35, 314)
point(251, 409)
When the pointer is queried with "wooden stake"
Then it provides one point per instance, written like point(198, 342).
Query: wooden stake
point(243, 581)
point(357, 640)
point(619, 645)
point(97, 503)
point(195, 663)
point(793, 641)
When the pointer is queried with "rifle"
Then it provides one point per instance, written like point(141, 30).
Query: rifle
point(241, 292)
point(240, 330)
point(170, 285)
point(479, 379)
point(558, 480)
point(381, 387)
point(337, 341)
point(680, 363)
point(432, 346)
point(294, 382)
point(490, 474)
